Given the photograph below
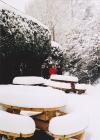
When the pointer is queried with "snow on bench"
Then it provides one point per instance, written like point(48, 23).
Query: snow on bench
point(58, 85)
point(64, 78)
point(28, 80)
point(66, 83)
point(79, 88)
point(68, 126)
point(16, 125)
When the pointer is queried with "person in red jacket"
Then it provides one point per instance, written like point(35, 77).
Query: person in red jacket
point(52, 70)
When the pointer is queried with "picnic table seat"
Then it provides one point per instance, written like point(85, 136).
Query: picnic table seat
point(58, 85)
point(28, 80)
point(71, 125)
point(13, 125)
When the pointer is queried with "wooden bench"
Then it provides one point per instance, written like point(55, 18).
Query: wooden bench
point(65, 83)
point(13, 125)
point(72, 125)
point(78, 88)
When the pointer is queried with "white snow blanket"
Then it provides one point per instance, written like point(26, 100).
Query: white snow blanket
point(71, 123)
point(64, 78)
point(28, 80)
point(17, 124)
point(31, 96)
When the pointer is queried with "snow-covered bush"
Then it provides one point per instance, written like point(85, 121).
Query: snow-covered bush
point(56, 56)
point(83, 51)
point(24, 45)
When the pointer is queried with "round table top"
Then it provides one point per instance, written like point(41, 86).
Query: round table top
point(31, 97)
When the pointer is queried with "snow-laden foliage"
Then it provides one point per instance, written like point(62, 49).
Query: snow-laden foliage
point(56, 56)
point(24, 45)
point(62, 15)
point(83, 53)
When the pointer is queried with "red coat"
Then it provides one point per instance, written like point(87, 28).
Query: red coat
point(52, 71)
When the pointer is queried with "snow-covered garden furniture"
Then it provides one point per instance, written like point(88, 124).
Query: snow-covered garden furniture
point(32, 98)
point(13, 125)
point(66, 83)
point(28, 80)
point(72, 125)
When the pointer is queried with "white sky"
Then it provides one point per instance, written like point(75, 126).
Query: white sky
point(18, 4)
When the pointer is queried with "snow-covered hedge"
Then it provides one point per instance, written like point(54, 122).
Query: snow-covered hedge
point(24, 45)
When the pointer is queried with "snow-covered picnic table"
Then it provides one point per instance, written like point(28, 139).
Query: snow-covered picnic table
point(34, 98)
point(45, 100)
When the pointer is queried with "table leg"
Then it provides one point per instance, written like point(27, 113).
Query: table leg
point(73, 87)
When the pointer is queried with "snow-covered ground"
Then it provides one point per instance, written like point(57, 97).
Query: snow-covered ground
point(88, 103)
point(93, 104)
